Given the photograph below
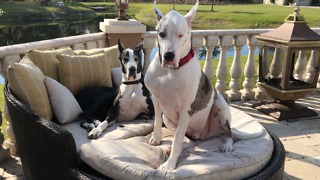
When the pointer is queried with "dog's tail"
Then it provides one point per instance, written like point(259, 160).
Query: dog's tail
point(248, 132)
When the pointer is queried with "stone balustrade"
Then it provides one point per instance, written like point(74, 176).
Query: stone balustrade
point(234, 89)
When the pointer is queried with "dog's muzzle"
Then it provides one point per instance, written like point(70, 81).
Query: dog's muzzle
point(132, 72)
point(169, 56)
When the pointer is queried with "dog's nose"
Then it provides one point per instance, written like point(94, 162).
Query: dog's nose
point(169, 56)
point(132, 69)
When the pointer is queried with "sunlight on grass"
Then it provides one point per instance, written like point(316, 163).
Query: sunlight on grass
point(229, 63)
point(231, 16)
point(4, 122)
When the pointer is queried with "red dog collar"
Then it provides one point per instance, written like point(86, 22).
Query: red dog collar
point(183, 61)
point(187, 58)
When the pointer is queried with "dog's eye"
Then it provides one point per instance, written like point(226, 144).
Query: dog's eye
point(180, 35)
point(162, 34)
point(125, 59)
point(136, 59)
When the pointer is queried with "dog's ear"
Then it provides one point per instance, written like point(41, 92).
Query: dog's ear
point(140, 46)
point(190, 15)
point(157, 11)
point(120, 46)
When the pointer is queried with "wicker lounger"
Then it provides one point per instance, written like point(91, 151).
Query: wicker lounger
point(48, 151)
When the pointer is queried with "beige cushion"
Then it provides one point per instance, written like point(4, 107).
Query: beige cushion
point(64, 104)
point(112, 54)
point(119, 130)
point(26, 81)
point(134, 158)
point(46, 60)
point(116, 73)
point(79, 72)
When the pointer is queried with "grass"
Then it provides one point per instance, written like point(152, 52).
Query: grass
point(233, 16)
point(256, 16)
point(243, 60)
point(4, 121)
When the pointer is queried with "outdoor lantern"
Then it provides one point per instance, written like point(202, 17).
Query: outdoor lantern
point(288, 67)
point(122, 5)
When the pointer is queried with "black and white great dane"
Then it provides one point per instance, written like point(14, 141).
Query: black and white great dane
point(133, 98)
point(183, 97)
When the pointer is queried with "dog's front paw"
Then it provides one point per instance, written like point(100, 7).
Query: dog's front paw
point(168, 165)
point(154, 139)
point(227, 147)
point(94, 133)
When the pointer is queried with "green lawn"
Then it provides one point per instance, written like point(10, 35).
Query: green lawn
point(4, 122)
point(233, 16)
point(229, 61)
point(223, 16)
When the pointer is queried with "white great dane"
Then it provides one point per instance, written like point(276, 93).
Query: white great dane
point(182, 95)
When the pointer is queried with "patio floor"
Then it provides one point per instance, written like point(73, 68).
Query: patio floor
point(301, 139)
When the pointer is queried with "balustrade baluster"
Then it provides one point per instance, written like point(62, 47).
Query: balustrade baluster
point(148, 45)
point(312, 64)
point(85, 46)
point(197, 43)
point(210, 42)
point(300, 65)
point(235, 70)
point(222, 70)
point(249, 70)
point(11, 142)
point(259, 92)
point(276, 64)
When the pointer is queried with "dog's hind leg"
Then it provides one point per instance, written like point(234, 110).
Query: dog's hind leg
point(87, 125)
point(228, 143)
point(224, 117)
point(111, 118)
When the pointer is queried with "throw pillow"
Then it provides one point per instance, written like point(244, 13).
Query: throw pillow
point(46, 60)
point(79, 72)
point(65, 106)
point(116, 76)
point(26, 81)
point(111, 52)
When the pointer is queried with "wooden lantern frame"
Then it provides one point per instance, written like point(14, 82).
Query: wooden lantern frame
point(293, 36)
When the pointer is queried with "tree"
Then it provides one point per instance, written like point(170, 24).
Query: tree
point(203, 52)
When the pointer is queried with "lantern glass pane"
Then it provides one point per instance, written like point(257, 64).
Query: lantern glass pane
point(305, 69)
point(272, 65)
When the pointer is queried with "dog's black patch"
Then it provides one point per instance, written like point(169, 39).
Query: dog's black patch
point(138, 58)
point(146, 93)
point(114, 110)
point(227, 129)
point(95, 102)
point(158, 15)
point(203, 95)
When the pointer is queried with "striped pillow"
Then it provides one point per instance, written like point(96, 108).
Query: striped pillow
point(112, 54)
point(46, 60)
point(79, 72)
point(26, 81)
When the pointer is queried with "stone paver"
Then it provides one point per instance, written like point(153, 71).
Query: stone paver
point(11, 168)
point(301, 140)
